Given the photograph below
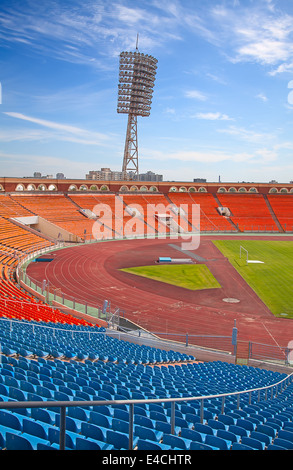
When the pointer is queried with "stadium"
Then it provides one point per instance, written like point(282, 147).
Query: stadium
point(142, 315)
point(104, 347)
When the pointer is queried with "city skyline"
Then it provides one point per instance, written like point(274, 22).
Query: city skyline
point(222, 102)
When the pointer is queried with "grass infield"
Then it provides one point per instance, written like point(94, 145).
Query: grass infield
point(192, 276)
point(272, 281)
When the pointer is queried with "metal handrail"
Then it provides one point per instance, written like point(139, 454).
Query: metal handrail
point(65, 404)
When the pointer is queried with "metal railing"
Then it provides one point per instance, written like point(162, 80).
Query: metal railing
point(274, 389)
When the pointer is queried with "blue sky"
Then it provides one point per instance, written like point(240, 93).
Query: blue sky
point(223, 97)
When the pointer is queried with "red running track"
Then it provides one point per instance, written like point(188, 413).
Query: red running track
point(91, 274)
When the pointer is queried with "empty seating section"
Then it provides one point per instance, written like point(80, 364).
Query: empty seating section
point(10, 208)
point(78, 363)
point(210, 219)
point(15, 243)
point(282, 206)
point(249, 212)
point(148, 207)
point(57, 209)
point(105, 206)
point(19, 239)
point(26, 308)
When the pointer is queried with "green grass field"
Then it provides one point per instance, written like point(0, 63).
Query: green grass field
point(192, 276)
point(273, 280)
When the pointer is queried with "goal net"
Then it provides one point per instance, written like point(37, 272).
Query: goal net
point(243, 253)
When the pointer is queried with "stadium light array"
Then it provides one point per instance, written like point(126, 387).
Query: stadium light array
point(137, 74)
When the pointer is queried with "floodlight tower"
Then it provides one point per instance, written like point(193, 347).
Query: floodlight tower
point(137, 73)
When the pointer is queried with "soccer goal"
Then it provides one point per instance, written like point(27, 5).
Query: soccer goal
point(244, 255)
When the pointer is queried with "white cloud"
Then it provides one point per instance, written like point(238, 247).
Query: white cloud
point(170, 111)
point(247, 134)
point(63, 131)
point(213, 116)
point(262, 97)
point(258, 32)
point(283, 68)
point(195, 94)
point(24, 164)
point(205, 156)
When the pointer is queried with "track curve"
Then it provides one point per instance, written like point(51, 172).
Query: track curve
point(91, 273)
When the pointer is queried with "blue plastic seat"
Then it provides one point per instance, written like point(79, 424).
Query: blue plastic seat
point(144, 444)
point(148, 433)
point(34, 428)
point(288, 425)
point(60, 396)
point(284, 417)
point(105, 394)
point(4, 390)
point(119, 440)
point(69, 389)
point(274, 423)
point(71, 424)
point(238, 430)
point(244, 423)
point(238, 446)
point(255, 419)
point(6, 372)
point(91, 444)
point(254, 443)
point(281, 442)
point(144, 421)
point(17, 442)
point(18, 394)
point(10, 420)
point(227, 420)
point(44, 391)
point(11, 381)
point(216, 442)
point(203, 429)
point(70, 438)
point(176, 442)
point(27, 386)
point(183, 423)
point(34, 397)
point(120, 425)
point(192, 418)
point(191, 434)
point(94, 431)
point(121, 414)
point(266, 414)
point(157, 416)
point(44, 416)
point(100, 419)
point(228, 436)
point(165, 427)
point(199, 446)
point(215, 424)
point(266, 429)
point(261, 437)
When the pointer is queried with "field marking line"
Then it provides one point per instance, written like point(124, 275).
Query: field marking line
point(281, 349)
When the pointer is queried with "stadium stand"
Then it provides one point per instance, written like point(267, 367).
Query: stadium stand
point(48, 356)
point(210, 219)
point(249, 212)
point(149, 205)
point(57, 209)
point(103, 205)
point(68, 364)
point(282, 206)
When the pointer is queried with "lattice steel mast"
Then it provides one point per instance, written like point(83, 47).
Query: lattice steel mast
point(137, 73)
